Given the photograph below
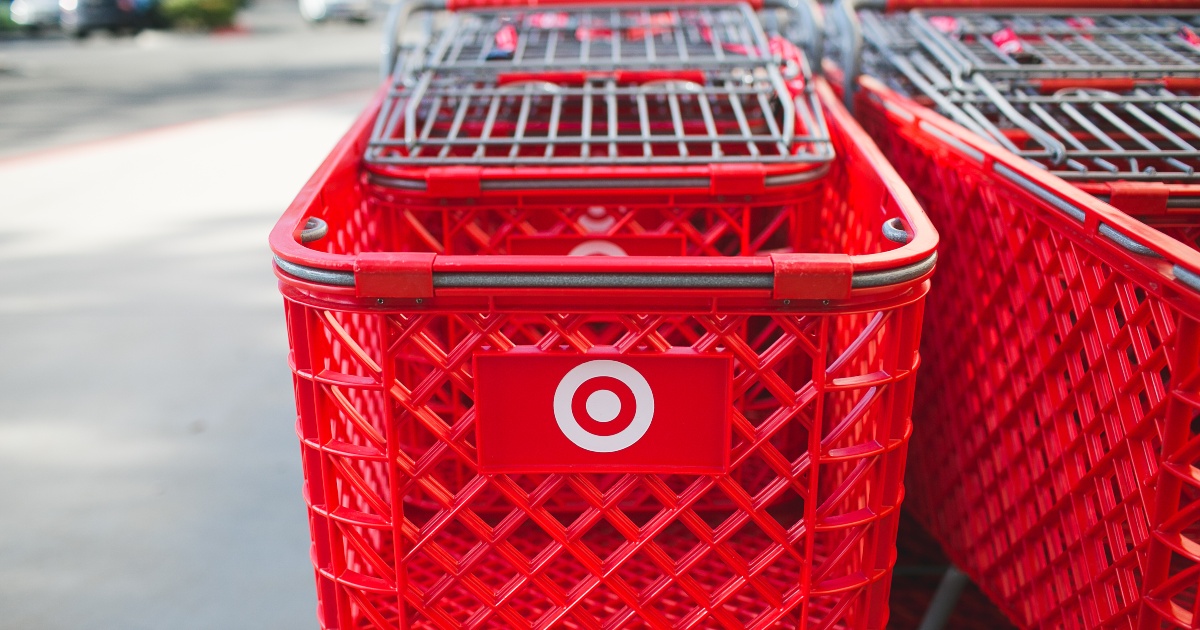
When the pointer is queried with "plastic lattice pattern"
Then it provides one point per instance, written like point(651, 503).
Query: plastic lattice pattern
point(802, 528)
point(1057, 433)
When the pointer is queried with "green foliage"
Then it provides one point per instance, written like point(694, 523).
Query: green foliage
point(6, 23)
point(199, 14)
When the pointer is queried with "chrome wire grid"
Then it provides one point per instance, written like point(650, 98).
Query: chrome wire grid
point(1146, 133)
point(891, 31)
point(592, 86)
point(1090, 128)
point(1013, 46)
point(599, 38)
point(739, 117)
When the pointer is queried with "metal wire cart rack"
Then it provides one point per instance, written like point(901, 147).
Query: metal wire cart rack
point(1090, 98)
point(1081, 44)
point(612, 86)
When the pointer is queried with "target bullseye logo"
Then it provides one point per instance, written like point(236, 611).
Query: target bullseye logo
point(605, 405)
point(545, 410)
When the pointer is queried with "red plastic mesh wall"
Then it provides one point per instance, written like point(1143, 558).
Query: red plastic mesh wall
point(404, 532)
point(1056, 445)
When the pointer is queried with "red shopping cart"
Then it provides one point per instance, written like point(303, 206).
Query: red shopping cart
point(709, 431)
point(1056, 443)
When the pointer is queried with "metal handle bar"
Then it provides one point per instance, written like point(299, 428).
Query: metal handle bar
point(893, 230)
point(713, 281)
point(1128, 243)
point(1185, 276)
point(539, 183)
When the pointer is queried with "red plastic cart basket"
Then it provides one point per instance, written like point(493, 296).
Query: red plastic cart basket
point(1057, 439)
point(452, 408)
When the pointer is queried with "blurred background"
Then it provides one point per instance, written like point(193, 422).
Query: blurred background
point(150, 466)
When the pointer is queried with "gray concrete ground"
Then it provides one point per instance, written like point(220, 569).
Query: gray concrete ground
point(54, 91)
point(149, 467)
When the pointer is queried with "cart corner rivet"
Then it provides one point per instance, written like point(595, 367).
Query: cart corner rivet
point(787, 302)
point(825, 302)
point(420, 300)
point(379, 301)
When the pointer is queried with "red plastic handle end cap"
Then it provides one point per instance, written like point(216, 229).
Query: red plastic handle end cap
point(812, 276)
point(380, 275)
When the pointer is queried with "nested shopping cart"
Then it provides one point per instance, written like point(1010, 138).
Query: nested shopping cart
point(507, 423)
point(1105, 99)
point(1056, 440)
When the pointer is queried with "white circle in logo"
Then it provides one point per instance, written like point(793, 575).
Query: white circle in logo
point(603, 406)
point(597, 248)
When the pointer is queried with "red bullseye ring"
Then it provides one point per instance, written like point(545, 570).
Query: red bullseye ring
point(602, 404)
point(600, 385)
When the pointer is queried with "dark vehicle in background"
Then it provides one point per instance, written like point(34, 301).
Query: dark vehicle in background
point(80, 17)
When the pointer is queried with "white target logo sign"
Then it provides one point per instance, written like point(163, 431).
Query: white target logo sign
point(603, 406)
point(606, 411)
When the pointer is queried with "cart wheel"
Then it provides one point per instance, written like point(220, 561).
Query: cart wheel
point(80, 33)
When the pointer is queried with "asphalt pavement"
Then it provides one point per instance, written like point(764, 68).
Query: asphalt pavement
point(150, 467)
point(55, 91)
